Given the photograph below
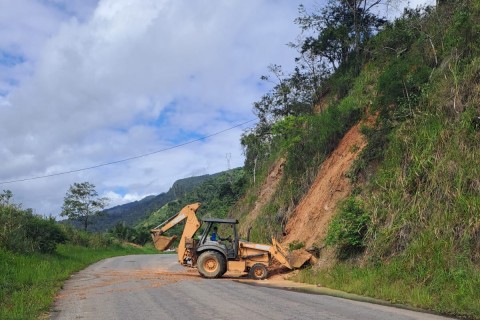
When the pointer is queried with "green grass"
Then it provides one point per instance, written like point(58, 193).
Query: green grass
point(454, 292)
point(28, 283)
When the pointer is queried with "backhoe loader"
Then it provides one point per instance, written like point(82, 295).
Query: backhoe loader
point(213, 258)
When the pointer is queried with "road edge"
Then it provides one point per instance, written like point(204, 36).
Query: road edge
point(313, 289)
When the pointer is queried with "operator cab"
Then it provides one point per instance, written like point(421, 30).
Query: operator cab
point(226, 238)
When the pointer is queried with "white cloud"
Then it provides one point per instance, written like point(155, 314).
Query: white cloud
point(121, 78)
point(116, 199)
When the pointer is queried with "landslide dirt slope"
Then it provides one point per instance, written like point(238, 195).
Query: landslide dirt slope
point(310, 219)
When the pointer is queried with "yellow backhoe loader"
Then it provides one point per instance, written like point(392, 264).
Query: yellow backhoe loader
point(212, 257)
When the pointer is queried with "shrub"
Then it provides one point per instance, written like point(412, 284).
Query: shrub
point(400, 84)
point(348, 229)
point(43, 235)
point(295, 245)
point(125, 233)
point(87, 239)
point(24, 232)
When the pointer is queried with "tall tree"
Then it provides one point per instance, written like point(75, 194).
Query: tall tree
point(340, 29)
point(82, 202)
point(5, 197)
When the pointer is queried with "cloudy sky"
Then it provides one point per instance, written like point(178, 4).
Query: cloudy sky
point(88, 82)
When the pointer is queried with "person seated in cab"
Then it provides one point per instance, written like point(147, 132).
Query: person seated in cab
point(215, 237)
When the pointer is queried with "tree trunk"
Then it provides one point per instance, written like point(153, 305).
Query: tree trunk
point(86, 219)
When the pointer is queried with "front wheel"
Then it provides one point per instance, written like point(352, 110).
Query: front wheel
point(258, 272)
point(211, 264)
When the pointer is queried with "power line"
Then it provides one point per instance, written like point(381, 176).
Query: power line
point(127, 159)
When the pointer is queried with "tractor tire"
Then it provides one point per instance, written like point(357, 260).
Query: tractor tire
point(211, 264)
point(258, 272)
point(224, 270)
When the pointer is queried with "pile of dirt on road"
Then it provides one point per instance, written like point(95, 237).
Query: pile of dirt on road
point(310, 219)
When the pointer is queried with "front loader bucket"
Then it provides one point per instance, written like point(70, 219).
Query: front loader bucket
point(162, 242)
point(292, 260)
point(298, 258)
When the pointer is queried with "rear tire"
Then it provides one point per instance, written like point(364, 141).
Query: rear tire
point(258, 272)
point(211, 264)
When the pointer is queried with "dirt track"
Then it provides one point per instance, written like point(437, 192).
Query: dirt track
point(156, 287)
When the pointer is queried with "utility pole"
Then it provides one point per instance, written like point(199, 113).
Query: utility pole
point(228, 156)
point(254, 170)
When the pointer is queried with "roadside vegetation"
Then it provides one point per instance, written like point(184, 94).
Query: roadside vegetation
point(430, 283)
point(37, 255)
point(410, 230)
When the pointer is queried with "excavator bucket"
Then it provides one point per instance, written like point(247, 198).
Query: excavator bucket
point(162, 242)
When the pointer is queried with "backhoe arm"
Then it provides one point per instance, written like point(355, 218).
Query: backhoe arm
point(191, 226)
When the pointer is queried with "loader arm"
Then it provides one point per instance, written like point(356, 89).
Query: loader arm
point(280, 254)
point(287, 259)
point(192, 224)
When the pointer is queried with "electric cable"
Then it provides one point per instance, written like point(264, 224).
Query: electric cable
point(127, 159)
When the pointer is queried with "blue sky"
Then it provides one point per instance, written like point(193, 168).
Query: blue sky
point(9, 59)
point(85, 82)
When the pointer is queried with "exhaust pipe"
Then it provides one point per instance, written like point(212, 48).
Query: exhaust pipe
point(248, 234)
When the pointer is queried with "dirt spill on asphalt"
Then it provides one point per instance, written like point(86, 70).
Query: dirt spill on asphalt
point(112, 281)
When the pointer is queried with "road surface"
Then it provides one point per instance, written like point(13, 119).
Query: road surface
point(157, 287)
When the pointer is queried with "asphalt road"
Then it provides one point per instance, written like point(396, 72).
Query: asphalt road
point(156, 287)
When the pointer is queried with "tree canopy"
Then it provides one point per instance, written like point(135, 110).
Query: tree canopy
point(331, 45)
point(82, 202)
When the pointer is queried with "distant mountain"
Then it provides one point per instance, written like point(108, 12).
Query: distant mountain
point(133, 212)
point(217, 194)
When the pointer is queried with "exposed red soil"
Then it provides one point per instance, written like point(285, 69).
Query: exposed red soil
point(310, 219)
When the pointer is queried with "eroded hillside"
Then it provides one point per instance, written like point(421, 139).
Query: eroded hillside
point(309, 221)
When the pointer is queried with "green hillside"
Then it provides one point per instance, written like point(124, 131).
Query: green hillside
point(133, 212)
point(410, 230)
point(217, 195)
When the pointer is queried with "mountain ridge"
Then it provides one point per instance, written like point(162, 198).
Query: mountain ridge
point(132, 212)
